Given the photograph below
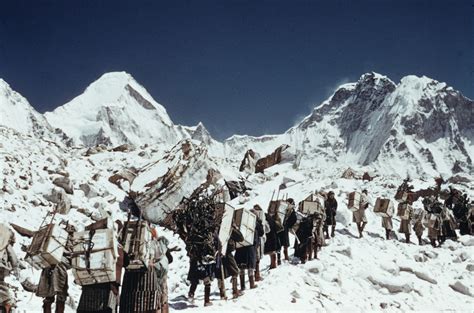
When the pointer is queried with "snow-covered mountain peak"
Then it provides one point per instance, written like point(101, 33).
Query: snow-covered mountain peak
point(375, 78)
point(114, 110)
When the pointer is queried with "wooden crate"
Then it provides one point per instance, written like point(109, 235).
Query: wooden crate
point(226, 225)
point(354, 201)
point(280, 207)
point(311, 207)
point(100, 265)
point(137, 242)
point(47, 247)
point(403, 211)
point(245, 221)
point(383, 207)
point(401, 196)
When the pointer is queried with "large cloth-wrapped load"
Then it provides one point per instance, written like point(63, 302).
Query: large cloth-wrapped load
point(226, 224)
point(313, 204)
point(47, 247)
point(95, 255)
point(383, 207)
point(354, 201)
point(403, 211)
point(245, 221)
point(137, 244)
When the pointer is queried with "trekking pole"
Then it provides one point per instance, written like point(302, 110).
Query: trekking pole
point(222, 272)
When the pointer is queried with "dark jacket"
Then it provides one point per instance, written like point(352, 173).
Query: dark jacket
point(229, 265)
point(330, 206)
point(288, 223)
point(304, 234)
point(272, 244)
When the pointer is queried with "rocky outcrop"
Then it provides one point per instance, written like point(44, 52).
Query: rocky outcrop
point(65, 183)
point(249, 162)
point(281, 154)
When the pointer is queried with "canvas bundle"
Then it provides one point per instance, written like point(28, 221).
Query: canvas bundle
point(47, 247)
point(245, 221)
point(383, 207)
point(136, 244)
point(354, 201)
point(226, 224)
point(403, 211)
point(95, 254)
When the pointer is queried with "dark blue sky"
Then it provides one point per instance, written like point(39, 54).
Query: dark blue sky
point(250, 67)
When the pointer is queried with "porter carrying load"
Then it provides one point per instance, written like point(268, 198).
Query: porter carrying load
point(383, 207)
point(313, 204)
point(94, 256)
point(245, 221)
point(137, 239)
point(354, 201)
point(47, 245)
point(403, 211)
point(280, 207)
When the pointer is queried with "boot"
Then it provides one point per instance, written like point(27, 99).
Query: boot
point(7, 307)
point(252, 282)
point(60, 307)
point(407, 238)
point(257, 272)
point(359, 228)
point(165, 308)
point(207, 295)
point(387, 234)
point(242, 280)
point(316, 252)
point(273, 262)
point(285, 252)
point(433, 242)
point(192, 290)
point(333, 229)
point(47, 306)
point(222, 289)
point(279, 258)
point(235, 291)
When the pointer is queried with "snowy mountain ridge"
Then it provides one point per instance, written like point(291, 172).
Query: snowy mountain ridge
point(369, 122)
point(17, 113)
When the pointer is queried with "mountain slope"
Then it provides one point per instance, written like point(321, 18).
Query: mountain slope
point(17, 113)
point(420, 122)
